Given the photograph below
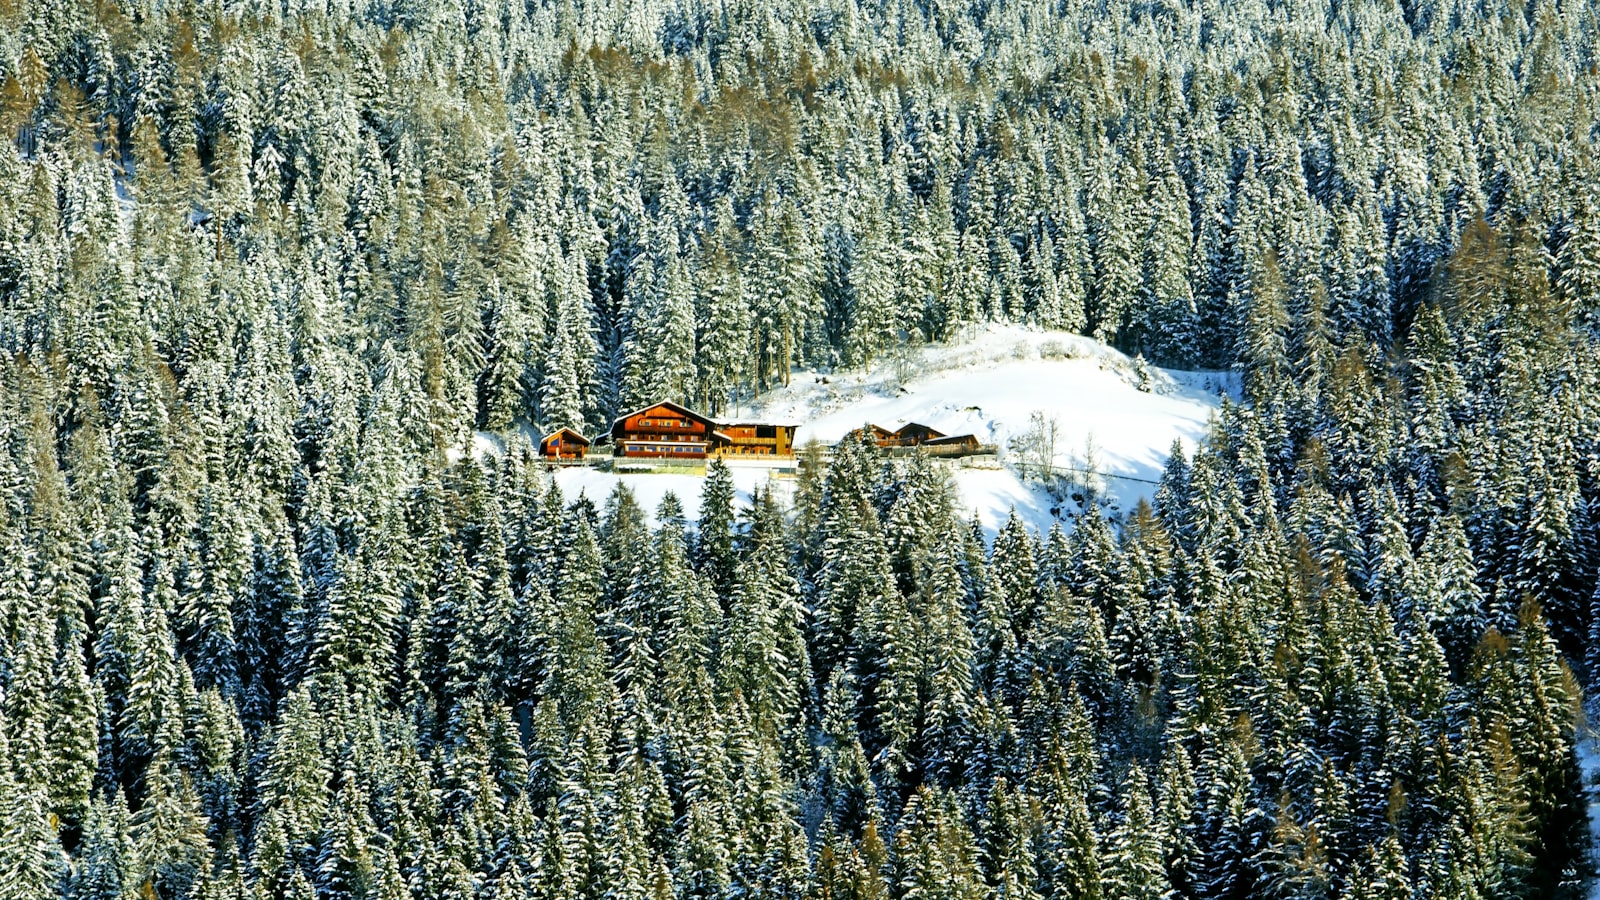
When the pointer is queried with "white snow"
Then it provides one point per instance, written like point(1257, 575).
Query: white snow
point(1111, 418)
point(484, 444)
point(121, 173)
point(989, 383)
point(994, 494)
point(650, 489)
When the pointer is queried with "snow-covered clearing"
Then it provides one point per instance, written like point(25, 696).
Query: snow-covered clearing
point(994, 494)
point(1112, 416)
point(649, 489)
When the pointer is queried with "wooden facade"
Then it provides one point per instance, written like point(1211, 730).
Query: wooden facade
point(912, 434)
point(916, 435)
point(953, 445)
point(664, 430)
point(667, 430)
point(755, 439)
point(883, 437)
point(563, 444)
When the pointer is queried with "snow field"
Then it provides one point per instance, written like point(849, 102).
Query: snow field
point(1112, 416)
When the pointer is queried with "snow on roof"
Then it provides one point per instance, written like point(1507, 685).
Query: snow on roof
point(565, 431)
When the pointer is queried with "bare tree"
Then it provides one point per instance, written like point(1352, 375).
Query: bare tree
point(1035, 448)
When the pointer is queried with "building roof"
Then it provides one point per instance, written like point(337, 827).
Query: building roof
point(876, 430)
point(566, 433)
point(953, 439)
point(918, 427)
point(678, 408)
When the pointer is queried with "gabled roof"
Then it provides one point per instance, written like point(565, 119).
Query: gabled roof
point(874, 430)
point(675, 407)
point(953, 439)
point(910, 427)
point(565, 434)
point(681, 410)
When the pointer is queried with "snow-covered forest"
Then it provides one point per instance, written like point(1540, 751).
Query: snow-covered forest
point(267, 632)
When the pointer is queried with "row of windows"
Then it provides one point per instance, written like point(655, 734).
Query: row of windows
point(767, 432)
point(666, 449)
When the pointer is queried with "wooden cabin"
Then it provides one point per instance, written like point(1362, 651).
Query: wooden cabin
point(883, 437)
point(563, 444)
point(755, 439)
point(914, 434)
point(953, 445)
point(665, 430)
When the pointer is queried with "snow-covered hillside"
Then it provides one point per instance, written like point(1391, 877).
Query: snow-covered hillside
point(1112, 415)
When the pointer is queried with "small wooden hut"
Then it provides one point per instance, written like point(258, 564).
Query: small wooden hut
point(563, 445)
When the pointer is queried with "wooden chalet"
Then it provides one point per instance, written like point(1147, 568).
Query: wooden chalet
point(953, 445)
point(665, 430)
point(915, 434)
point(563, 444)
point(755, 439)
point(912, 434)
point(668, 430)
point(879, 435)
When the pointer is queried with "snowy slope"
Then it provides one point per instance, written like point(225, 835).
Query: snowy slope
point(989, 383)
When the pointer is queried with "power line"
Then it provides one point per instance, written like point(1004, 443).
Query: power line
point(1069, 469)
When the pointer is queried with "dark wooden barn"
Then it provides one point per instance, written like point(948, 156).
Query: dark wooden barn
point(914, 434)
point(953, 445)
point(879, 435)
